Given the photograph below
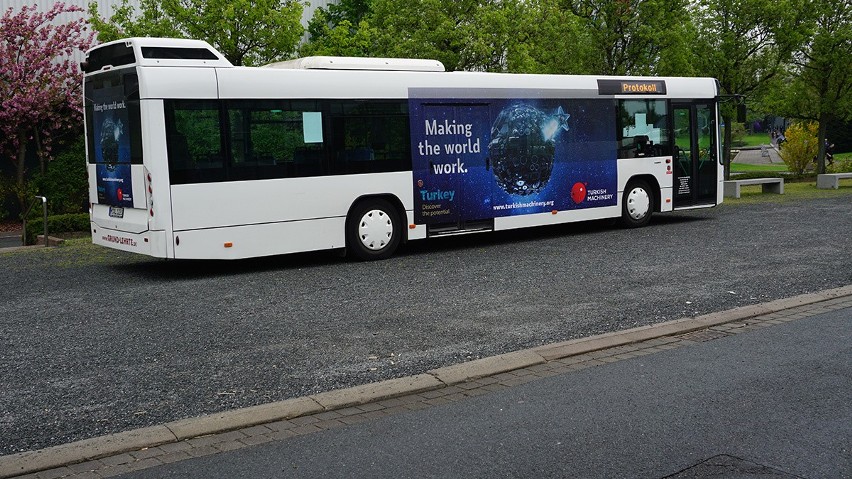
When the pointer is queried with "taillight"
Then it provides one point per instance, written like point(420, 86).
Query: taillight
point(150, 195)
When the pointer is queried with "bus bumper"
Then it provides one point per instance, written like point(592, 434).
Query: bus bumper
point(150, 243)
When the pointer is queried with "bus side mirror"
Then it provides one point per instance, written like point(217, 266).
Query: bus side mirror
point(741, 113)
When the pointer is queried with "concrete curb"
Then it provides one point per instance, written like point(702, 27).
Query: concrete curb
point(52, 242)
point(99, 447)
point(57, 456)
point(239, 418)
point(372, 392)
point(680, 326)
point(458, 373)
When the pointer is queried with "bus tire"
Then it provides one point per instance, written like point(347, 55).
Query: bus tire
point(637, 204)
point(373, 230)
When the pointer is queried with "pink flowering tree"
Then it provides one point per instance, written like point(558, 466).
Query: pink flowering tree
point(40, 84)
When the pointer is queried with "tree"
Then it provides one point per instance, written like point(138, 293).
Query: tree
point(462, 34)
point(636, 37)
point(40, 85)
point(343, 39)
point(744, 44)
point(531, 36)
point(247, 32)
point(341, 30)
point(324, 19)
point(550, 39)
point(820, 86)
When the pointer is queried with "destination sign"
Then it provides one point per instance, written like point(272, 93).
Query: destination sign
point(631, 87)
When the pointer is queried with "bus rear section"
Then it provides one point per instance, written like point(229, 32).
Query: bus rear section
point(129, 198)
point(120, 187)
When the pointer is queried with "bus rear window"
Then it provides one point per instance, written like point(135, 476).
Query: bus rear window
point(176, 53)
point(114, 55)
point(113, 117)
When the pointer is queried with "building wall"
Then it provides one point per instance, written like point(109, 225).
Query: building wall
point(105, 7)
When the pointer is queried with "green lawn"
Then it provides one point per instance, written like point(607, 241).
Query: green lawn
point(753, 139)
point(793, 191)
point(745, 167)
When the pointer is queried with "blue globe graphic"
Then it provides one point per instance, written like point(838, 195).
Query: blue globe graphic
point(111, 134)
point(522, 148)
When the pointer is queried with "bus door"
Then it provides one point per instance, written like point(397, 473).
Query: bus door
point(695, 155)
point(453, 186)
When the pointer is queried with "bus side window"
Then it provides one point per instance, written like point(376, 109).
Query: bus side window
point(370, 137)
point(179, 155)
point(194, 141)
point(306, 142)
point(269, 140)
point(642, 128)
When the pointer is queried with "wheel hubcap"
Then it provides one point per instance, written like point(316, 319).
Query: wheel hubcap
point(638, 203)
point(375, 230)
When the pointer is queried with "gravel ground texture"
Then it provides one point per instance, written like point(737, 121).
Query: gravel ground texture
point(95, 341)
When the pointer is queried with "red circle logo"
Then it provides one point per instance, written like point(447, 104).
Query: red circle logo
point(119, 194)
point(578, 192)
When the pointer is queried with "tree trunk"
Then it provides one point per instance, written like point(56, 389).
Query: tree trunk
point(823, 127)
point(20, 183)
point(726, 146)
point(42, 161)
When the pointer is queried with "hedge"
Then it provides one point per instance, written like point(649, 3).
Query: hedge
point(57, 224)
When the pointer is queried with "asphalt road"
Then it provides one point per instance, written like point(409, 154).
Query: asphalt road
point(775, 403)
point(94, 341)
point(9, 240)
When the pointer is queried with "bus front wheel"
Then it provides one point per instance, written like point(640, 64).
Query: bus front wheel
point(637, 204)
point(373, 230)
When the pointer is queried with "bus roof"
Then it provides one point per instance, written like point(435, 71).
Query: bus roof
point(360, 63)
point(149, 51)
point(260, 83)
point(349, 77)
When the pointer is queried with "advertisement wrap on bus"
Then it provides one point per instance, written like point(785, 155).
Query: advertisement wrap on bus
point(111, 142)
point(484, 158)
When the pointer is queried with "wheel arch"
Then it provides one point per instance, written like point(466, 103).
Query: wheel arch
point(653, 184)
point(394, 201)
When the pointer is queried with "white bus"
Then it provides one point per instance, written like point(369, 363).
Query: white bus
point(191, 157)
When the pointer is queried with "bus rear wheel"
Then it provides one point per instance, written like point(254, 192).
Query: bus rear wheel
point(373, 230)
point(637, 204)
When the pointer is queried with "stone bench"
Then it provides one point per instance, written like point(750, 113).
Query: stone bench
point(769, 185)
point(831, 180)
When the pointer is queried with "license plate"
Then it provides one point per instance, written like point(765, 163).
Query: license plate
point(116, 211)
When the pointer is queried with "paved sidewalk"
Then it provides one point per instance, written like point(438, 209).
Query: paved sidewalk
point(346, 410)
point(765, 155)
point(10, 239)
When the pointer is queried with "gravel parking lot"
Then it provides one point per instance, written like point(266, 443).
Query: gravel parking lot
point(94, 341)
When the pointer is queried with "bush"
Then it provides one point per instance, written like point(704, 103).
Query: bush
point(65, 183)
point(5, 195)
point(800, 147)
point(841, 165)
point(67, 223)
